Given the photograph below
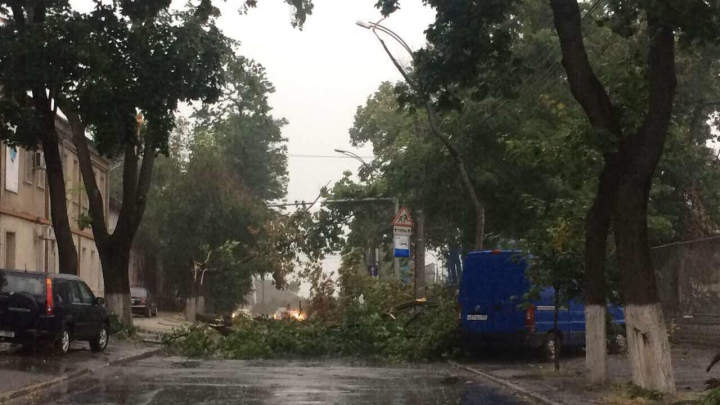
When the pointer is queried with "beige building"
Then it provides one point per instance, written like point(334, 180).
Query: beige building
point(27, 241)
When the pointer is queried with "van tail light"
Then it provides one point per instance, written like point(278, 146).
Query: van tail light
point(530, 318)
point(49, 304)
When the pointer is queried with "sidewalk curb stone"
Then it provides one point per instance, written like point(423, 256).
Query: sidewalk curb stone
point(507, 384)
point(7, 396)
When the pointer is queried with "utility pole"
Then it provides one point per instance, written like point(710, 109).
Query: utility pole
point(396, 259)
point(419, 254)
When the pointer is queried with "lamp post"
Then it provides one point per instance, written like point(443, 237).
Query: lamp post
point(420, 235)
point(352, 155)
point(396, 261)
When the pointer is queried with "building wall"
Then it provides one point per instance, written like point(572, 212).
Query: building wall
point(27, 241)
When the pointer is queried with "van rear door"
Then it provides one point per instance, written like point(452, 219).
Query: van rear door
point(491, 292)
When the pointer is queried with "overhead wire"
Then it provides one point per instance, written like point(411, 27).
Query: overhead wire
point(542, 80)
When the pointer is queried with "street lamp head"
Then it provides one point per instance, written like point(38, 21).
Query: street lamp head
point(364, 24)
point(341, 151)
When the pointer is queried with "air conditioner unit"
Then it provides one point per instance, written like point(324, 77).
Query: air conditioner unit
point(39, 161)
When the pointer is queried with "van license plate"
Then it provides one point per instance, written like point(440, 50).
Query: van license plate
point(7, 334)
point(477, 317)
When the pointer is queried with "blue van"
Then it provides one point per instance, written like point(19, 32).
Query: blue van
point(492, 311)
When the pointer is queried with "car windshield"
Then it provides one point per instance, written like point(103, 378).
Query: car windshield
point(11, 283)
point(138, 292)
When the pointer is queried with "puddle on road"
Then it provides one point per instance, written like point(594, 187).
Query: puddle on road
point(37, 363)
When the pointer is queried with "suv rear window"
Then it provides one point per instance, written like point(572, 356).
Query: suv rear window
point(16, 283)
point(138, 292)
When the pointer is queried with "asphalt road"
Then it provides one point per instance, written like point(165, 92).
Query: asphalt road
point(173, 380)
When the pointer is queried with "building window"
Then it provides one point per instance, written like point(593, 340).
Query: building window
point(29, 166)
point(42, 174)
point(76, 182)
point(10, 250)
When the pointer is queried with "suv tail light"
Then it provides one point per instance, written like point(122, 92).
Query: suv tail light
point(49, 307)
point(143, 301)
point(530, 318)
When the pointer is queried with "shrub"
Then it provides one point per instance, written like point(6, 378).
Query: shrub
point(365, 330)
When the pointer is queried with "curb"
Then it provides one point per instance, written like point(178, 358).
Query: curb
point(507, 384)
point(10, 395)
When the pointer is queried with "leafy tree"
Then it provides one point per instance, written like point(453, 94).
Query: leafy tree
point(101, 69)
point(631, 118)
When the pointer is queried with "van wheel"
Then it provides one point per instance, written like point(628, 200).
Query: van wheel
point(62, 344)
point(551, 349)
point(100, 341)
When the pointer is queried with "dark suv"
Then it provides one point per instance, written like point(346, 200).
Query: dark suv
point(51, 308)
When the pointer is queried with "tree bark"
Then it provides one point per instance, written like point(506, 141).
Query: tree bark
point(624, 191)
point(556, 335)
point(597, 227)
point(648, 345)
point(67, 254)
point(117, 282)
point(114, 249)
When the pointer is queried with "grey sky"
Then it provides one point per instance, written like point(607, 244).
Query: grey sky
point(322, 74)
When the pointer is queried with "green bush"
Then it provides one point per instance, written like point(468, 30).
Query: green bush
point(712, 397)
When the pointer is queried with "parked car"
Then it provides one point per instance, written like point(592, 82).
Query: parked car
point(494, 311)
point(143, 302)
point(52, 309)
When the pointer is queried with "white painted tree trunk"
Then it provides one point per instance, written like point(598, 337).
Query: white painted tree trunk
point(190, 309)
point(649, 348)
point(200, 305)
point(595, 344)
point(119, 304)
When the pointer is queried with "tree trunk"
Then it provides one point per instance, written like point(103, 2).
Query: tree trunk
point(117, 283)
point(647, 338)
point(67, 254)
point(115, 249)
point(420, 254)
point(556, 329)
point(597, 227)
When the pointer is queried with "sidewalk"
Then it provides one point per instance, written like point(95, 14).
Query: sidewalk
point(22, 373)
point(164, 322)
point(568, 386)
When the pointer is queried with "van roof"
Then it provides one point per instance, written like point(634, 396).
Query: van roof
point(495, 252)
point(40, 274)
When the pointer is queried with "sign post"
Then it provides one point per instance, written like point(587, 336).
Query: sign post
point(402, 229)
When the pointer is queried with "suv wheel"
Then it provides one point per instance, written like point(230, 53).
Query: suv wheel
point(100, 341)
point(62, 344)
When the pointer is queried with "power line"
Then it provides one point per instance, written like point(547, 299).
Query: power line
point(545, 78)
point(302, 156)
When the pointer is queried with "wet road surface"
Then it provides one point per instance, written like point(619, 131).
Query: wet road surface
point(174, 380)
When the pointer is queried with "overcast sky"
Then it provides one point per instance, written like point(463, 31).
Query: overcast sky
point(322, 74)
